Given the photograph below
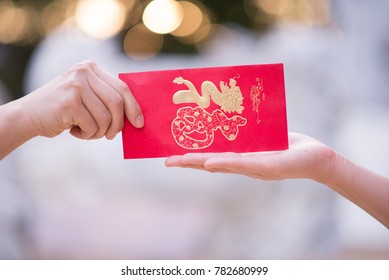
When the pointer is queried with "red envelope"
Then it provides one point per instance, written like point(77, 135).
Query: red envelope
point(219, 109)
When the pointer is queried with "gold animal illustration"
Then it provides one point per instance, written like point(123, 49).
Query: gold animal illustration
point(229, 98)
point(196, 121)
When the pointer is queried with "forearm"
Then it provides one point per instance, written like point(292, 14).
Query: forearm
point(15, 127)
point(368, 190)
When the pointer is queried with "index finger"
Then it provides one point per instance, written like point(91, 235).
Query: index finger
point(132, 109)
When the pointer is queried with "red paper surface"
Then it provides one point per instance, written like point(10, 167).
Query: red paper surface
point(219, 109)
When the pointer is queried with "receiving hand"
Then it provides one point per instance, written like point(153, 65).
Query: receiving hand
point(305, 158)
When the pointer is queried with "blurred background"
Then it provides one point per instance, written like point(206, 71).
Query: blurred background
point(64, 198)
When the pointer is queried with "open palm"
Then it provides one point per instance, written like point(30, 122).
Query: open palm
point(305, 158)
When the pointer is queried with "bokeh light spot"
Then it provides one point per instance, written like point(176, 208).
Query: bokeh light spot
point(202, 33)
point(191, 22)
point(163, 16)
point(142, 44)
point(13, 23)
point(100, 18)
point(307, 11)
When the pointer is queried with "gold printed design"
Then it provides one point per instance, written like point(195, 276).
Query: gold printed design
point(257, 95)
point(183, 126)
point(194, 128)
point(229, 98)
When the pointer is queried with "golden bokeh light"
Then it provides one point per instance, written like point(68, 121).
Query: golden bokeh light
point(189, 21)
point(128, 4)
point(192, 19)
point(33, 30)
point(142, 44)
point(52, 16)
point(203, 31)
point(100, 18)
point(13, 23)
point(305, 11)
point(56, 13)
point(163, 16)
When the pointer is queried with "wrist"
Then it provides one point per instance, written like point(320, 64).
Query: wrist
point(20, 120)
point(327, 167)
point(15, 127)
point(336, 172)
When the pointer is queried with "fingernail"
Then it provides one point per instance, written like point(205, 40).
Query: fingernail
point(139, 121)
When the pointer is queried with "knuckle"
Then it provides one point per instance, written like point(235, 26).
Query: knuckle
point(74, 85)
point(75, 80)
point(94, 129)
point(122, 86)
point(80, 68)
point(103, 124)
point(67, 120)
point(92, 132)
point(70, 100)
point(116, 100)
point(68, 106)
point(106, 119)
point(89, 63)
